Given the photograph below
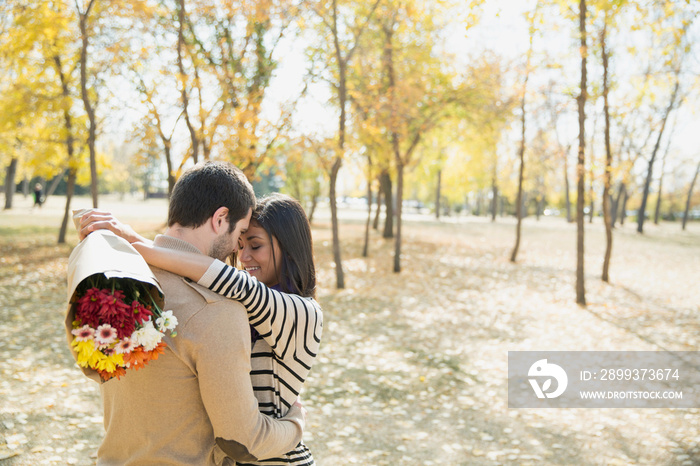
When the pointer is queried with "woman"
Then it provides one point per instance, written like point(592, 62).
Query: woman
point(277, 292)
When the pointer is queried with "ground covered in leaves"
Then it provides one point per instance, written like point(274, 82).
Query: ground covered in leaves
point(413, 366)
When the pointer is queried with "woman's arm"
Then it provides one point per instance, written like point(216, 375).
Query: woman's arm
point(102, 220)
point(182, 263)
point(186, 264)
point(290, 324)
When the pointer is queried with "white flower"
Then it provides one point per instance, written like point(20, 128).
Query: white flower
point(147, 336)
point(167, 321)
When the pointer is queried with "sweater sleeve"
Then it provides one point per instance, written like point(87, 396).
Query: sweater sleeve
point(289, 323)
point(219, 348)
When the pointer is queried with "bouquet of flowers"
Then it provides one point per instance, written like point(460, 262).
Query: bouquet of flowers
point(118, 325)
point(115, 319)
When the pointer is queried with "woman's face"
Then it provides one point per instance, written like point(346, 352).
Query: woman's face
point(255, 254)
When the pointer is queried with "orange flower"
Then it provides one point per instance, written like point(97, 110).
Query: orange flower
point(118, 372)
point(137, 358)
point(158, 350)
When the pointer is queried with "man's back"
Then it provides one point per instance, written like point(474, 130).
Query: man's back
point(197, 393)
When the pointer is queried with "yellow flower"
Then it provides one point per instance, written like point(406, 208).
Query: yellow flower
point(95, 359)
point(110, 363)
point(85, 350)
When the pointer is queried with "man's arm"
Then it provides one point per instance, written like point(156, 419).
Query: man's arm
point(220, 349)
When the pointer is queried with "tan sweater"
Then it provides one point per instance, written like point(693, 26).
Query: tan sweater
point(198, 394)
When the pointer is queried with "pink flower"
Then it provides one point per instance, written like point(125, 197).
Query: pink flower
point(105, 335)
point(125, 345)
point(84, 333)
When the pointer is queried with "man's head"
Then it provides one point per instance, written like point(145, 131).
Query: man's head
point(214, 197)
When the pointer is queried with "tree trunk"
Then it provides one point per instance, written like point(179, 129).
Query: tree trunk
point(616, 205)
point(521, 175)
point(608, 161)
point(314, 203)
point(660, 193)
point(339, 276)
point(375, 223)
point(521, 152)
point(690, 196)
point(25, 187)
point(580, 169)
point(569, 217)
point(181, 69)
point(10, 185)
point(661, 183)
point(494, 199)
point(169, 167)
point(438, 194)
point(388, 205)
point(70, 150)
point(70, 188)
point(365, 248)
point(399, 209)
point(591, 203)
point(623, 211)
point(54, 183)
point(86, 102)
point(647, 183)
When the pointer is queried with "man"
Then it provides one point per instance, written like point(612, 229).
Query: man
point(194, 405)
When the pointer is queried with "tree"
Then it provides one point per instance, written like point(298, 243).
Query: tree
point(42, 54)
point(608, 154)
point(645, 194)
point(690, 196)
point(580, 168)
point(421, 94)
point(672, 27)
point(182, 75)
point(83, 16)
point(661, 177)
point(521, 151)
point(344, 27)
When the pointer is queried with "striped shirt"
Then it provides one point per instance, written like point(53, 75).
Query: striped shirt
point(290, 329)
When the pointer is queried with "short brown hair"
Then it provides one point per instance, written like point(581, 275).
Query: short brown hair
point(204, 188)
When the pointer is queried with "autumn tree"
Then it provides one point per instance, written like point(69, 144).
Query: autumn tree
point(690, 197)
point(672, 30)
point(521, 151)
point(341, 26)
point(421, 90)
point(581, 162)
point(42, 53)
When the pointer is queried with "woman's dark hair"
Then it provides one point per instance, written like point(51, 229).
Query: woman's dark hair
point(204, 188)
point(283, 217)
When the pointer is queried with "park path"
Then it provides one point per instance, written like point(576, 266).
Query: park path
point(413, 366)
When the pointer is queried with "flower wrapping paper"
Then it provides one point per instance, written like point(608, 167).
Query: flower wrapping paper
point(103, 252)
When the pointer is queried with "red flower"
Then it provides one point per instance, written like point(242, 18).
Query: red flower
point(88, 307)
point(140, 312)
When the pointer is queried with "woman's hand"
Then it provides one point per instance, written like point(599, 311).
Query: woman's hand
point(103, 220)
